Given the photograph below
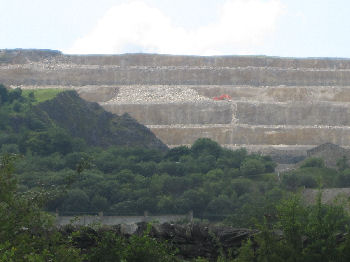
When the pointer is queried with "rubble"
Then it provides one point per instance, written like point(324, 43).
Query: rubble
point(157, 95)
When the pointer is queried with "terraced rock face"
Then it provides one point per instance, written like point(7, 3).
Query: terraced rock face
point(282, 106)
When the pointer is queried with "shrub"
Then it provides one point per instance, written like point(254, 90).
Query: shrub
point(147, 249)
point(206, 146)
point(251, 167)
point(313, 162)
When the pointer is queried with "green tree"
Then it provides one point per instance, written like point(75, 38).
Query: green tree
point(251, 167)
point(206, 146)
point(313, 162)
point(174, 154)
point(76, 201)
point(232, 159)
point(27, 233)
point(220, 205)
point(147, 249)
point(302, 233)
point(342, 163)
point(3, 94)
point(99, 203)
point(344, 178)
point(14, 94)
point(109, 248)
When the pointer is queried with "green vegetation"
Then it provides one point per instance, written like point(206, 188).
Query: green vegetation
point(129, 181)
point(41, 95)
point(294, 233)
point(74, 157)
point(313, 173)
point(212, 181)
point(301, 233)
point(216, 183)
point(25, 231)
point(28, 234)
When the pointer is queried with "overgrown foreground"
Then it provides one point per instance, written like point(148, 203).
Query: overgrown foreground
point(295, 233)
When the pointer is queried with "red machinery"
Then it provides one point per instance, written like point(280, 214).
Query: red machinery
point(223, 97)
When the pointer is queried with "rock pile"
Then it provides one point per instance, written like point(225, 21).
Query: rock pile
point(156, 95)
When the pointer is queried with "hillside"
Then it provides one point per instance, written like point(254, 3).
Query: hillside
point(95, 125)
point(60, 121)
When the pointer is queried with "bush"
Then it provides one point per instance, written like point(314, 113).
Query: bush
point(206, 146)
point(344, 178)
point(108, 248)
point(308, 233)
point(76, 200)
point(14, 94)
point(174, 154)
point(251, 167)
point(147, 249)
point(313, 162)
point(291, 181)
point(9, 148)
point(27, 233)
point(220, 205)
point(3, 94)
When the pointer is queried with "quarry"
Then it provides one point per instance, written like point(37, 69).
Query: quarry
point(278, 106)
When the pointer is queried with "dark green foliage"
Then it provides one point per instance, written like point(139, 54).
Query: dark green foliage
point(205, 146)
point(129, 181)
point(301, 233)
point(17, 106)
point(342, 163)
point(26, 233)
point(10, 96)
point(76, 200)
point(146, 249)
point(48, 142)
point(176, 153)
point(251, 167)
point(220, 205)
point(109, 246)
point(254, 207)
point(232, 159)
point(344, 178)
point(3, 94)
point(9, 148)
point(15, 94)
point(313, 162)
point(312, 177)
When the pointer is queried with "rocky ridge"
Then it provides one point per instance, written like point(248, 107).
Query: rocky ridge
point(96, 126)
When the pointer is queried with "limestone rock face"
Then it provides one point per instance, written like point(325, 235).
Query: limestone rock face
point(278, 106)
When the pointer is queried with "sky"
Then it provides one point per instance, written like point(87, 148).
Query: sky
point(289, 28)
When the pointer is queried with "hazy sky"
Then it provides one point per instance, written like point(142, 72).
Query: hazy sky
point(302, 28)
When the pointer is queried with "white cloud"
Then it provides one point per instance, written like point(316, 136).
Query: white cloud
point(243, 26)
